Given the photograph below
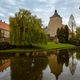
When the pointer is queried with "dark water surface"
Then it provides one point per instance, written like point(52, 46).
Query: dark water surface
point(53, 65)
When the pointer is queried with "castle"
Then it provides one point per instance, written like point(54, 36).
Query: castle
point(4, 31)
point(54, 23)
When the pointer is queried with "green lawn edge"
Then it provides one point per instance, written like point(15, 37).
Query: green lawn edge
point(49, 46)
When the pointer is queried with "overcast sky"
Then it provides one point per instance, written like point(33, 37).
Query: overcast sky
point(41, 8)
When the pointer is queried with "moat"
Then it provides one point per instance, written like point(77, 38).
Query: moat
point(54, 65)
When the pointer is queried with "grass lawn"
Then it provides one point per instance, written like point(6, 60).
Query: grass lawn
point(52, 45)
point(49, 46)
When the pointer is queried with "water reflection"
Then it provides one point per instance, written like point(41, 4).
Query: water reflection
point(28, 68)
point(56, 61)
point(4, 64)
point(4, 68)
point(73, 63)
point(56, 65)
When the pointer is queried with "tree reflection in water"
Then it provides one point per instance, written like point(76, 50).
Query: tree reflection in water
point(24, 67)
point(63, 57)
point(27, 68)
point(72, 62)
point(56, 61)
point(78, 54)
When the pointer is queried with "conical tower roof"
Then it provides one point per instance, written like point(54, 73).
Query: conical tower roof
point(55, 14)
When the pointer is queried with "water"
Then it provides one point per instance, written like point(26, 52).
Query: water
point(53, 65)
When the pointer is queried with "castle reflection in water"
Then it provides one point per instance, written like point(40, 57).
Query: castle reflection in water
point(53, 65)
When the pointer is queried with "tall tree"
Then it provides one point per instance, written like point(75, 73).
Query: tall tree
point(66, 31)
point(63, 34)
point(25, 29)
point(72, 24)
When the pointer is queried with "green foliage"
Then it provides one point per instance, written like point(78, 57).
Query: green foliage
point(74, 41)
point(31, 66)
point(78, 33)
point(25, 29)
point(52, 45)
point(62, 34)
point(66, 31)
point(5, 45)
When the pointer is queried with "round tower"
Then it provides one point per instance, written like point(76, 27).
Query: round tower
point(54, 23)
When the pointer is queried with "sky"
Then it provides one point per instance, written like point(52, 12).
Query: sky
point(43, 9)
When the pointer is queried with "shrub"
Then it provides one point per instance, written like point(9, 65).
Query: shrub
point(74, 42)
point(5, 45)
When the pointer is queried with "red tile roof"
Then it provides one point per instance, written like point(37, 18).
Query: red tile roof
point(4, 25)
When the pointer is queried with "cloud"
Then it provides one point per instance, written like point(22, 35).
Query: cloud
point(2, 15)
point(38, 10)
point(42, 8)
point(42, 0)
point(2, 10)
point(11, 2)
point(11, 14)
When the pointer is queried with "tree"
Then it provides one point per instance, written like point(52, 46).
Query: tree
point(25, 29)
point(66, 31)
point(60, 34)
point(78, 33)
point(72, 24)
point(63, 34)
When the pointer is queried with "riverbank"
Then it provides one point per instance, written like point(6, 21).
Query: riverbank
point(49, 46)
point(52, 45)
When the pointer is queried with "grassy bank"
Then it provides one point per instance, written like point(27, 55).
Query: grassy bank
point(49, 46)
point(52, 45)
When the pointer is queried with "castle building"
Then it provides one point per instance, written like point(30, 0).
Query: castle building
point(4, 31)
point(54, 23)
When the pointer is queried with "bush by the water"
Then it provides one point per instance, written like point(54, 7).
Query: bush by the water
point(26, 47)
point(74, 42)
point(5, 45)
